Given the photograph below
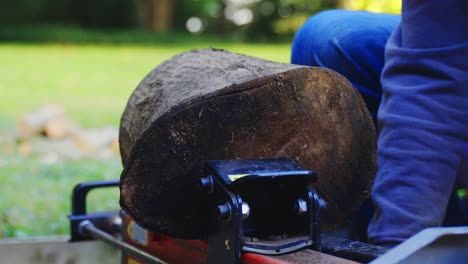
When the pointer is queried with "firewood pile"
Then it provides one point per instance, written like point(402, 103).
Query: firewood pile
point(52, 135)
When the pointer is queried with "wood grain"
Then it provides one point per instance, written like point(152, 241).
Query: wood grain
point(213, 104)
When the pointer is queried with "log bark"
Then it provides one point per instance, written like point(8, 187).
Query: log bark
point(213, 104)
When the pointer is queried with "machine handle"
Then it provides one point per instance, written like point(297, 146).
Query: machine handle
point(81, 191)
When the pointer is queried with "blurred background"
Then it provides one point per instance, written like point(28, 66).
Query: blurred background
point(67, 68)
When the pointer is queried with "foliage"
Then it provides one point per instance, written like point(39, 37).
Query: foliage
point(214, 13)
point(272, 19)
point(205, 9)
point(283, 17)
point(380, 6)
point(463, 193)
point(262, 19)
point(269, 18)
point(101, 13)
point(20, 11)
point(66, 34)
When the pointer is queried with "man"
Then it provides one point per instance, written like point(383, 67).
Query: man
point(422, 79)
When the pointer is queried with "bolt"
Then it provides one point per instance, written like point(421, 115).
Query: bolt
point(114, 224)
point(251, 239)
point(322, 204)
point(300, 206)
point(224, 211)
point(207, 184)
point(83, 227)
point(276, 237)
point(245, 210)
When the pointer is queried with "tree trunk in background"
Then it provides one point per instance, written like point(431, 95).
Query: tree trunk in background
point(212, 104)
point(339, 3)
point(162, 15)
point(155, 14)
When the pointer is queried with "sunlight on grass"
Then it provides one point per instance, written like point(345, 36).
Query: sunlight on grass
point(92, 82)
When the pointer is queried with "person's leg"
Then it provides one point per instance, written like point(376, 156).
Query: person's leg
point(349, 42)
point(352, 43)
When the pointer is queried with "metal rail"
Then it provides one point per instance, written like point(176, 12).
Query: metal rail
point(88, 228)
point(336, 244)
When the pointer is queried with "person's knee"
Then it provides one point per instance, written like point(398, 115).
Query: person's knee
point(350, 43)
point(313, 37)
point(331, 36)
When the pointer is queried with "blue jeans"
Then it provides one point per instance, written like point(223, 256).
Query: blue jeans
point(352, 43)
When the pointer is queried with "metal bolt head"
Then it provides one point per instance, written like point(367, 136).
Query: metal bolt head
point(207, 184)
point(224, 211)
point(322, 204)
point(83, 227)
point(245, 210)
point(276, 237)
point(113, 225)
point(300, 206)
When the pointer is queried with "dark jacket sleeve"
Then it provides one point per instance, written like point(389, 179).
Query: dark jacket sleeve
point(423, 119)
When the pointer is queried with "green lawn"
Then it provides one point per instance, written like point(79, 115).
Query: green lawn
point(93, 83)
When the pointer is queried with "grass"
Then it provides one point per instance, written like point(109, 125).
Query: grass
point(93, 83)
point(35, 197)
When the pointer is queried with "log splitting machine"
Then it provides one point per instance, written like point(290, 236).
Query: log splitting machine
point(266, 211)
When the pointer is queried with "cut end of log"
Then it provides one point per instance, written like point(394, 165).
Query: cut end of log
point(204, 105)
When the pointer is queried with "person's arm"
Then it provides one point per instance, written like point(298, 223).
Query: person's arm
point(423, 119)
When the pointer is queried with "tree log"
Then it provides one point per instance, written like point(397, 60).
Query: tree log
point(213, 104)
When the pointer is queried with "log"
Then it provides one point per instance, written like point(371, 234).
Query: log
point(213, 104)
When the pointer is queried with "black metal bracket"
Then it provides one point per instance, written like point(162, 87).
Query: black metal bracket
point(254, 208)
point(103, 220)
point(224, 244)
point(315, 204)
